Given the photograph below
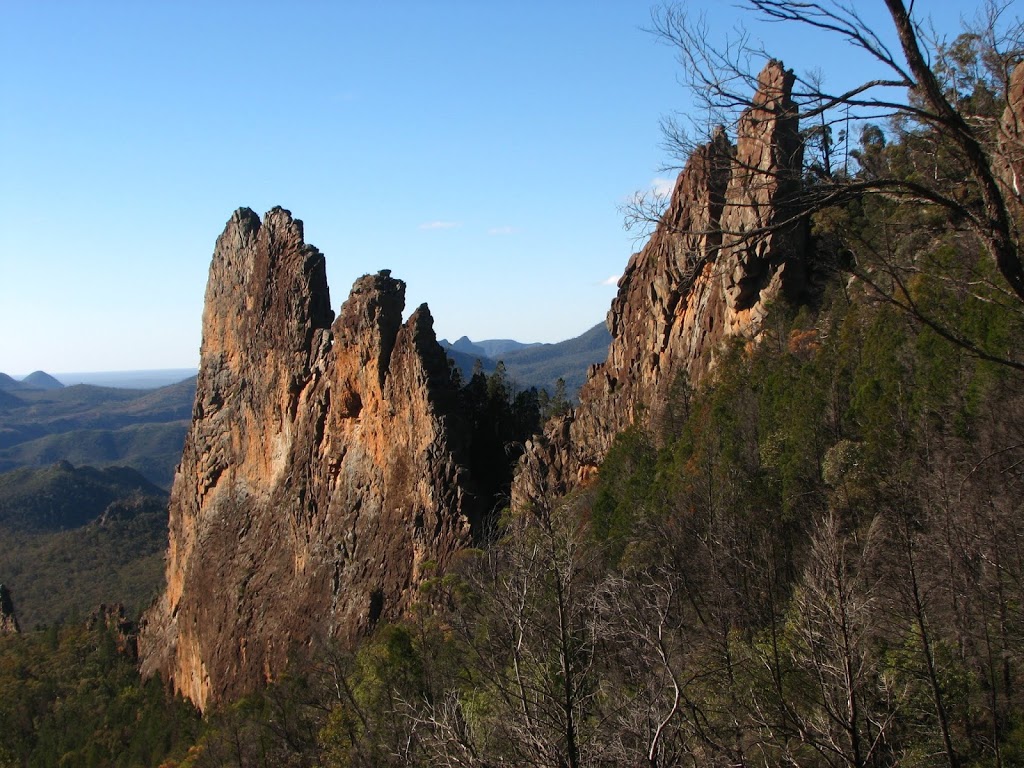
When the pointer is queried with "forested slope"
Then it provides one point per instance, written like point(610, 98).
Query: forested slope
point(810, 554)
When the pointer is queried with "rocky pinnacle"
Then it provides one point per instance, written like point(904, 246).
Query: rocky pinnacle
point(321, 473)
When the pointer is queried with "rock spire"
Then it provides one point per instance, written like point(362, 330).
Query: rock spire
point(321, 473)
point(727, 246)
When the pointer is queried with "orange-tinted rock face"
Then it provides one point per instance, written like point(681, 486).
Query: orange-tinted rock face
point(320, 473)
point(322, 469)
point(702, 278)
point(1011, 137)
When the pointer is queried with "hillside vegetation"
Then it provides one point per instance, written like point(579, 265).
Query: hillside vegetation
point(813, 559)
point(77, 537)
point(98, 426)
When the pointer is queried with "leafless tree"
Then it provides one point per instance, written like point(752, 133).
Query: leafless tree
point(834, 706)
point(532, 631)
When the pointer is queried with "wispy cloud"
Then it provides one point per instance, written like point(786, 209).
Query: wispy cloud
point(658, 190)
point(506, 230)
point(613, 280)
point(439, 225)
point(662, 187)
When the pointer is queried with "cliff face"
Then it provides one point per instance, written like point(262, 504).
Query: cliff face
point(725, 248)
point(320, 473)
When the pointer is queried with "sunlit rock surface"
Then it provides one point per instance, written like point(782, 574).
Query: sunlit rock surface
point(321, 472)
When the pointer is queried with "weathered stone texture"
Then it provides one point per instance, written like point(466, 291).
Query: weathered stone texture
point(320, 474)
point(1011, 137)
point(726, 247)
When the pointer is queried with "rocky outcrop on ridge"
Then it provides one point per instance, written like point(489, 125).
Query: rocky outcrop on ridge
point(726, 247)
point(321, 473)
point(111, 618)
point(8, 618)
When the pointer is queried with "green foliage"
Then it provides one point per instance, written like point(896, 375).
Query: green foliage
point(501, 420)
point(853, 413)
point(556, 403)
point(626, 479)
point(78, 537)
point(69, 696)
point(61, 496)
point(118, 558)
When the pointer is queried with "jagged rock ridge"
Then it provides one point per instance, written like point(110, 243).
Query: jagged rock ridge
point(322, 469)
point(726, 247)
point(320, 474)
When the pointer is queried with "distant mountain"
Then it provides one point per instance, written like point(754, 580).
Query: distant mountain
point(41, 380)
point(495, 348)
point(100, 426)
point(35, 380)
point(492, 348)
point(535, 365)
point(544, 364)
point(148, 379)
point(464, 346)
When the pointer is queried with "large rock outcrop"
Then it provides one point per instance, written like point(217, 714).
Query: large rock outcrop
point(728, 245)
point(320, 474)
point(8, 618)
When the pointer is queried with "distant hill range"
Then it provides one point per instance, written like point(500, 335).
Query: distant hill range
point(36, 380)
point(150, 379)
point(42, 421)
point(491, 348)
point(61, 496)
point(534, 365)
point(75, 537)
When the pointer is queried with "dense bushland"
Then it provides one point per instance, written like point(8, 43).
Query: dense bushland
point(815, 560)
point(71, 695)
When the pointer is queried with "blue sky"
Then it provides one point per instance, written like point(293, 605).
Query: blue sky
point(479, 150)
